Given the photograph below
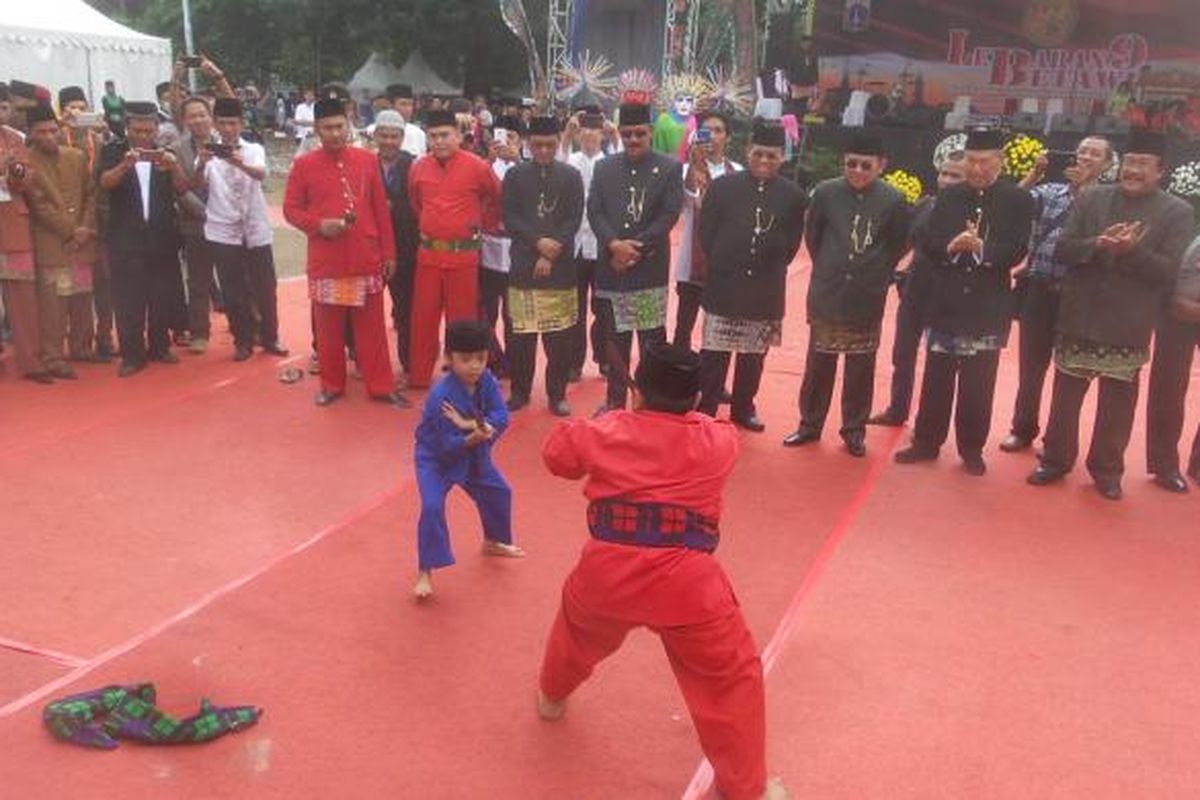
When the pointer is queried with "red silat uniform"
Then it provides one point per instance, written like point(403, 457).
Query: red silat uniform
point(327, 186)
point(654, 484)
point(450, 199)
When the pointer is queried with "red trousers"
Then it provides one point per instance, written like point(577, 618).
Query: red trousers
point(370, 345)
point(21, 306)
point(685, 598)
point(438, 289)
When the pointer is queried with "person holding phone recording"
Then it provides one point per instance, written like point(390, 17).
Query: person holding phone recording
point(707, 161)
point(142, 182)
point(237, 228)
point(1041, 281)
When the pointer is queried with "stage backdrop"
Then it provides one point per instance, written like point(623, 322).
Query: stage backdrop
point(931, 51)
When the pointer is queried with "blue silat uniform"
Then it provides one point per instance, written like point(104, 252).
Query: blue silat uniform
point(443, 460)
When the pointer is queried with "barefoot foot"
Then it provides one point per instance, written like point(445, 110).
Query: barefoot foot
point(776, 790)
point(501, 550)
point(548, 709)
point(423, 588)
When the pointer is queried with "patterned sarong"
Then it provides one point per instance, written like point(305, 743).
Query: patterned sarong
point(67, 281)
point(729, 335)
point(17, 266)
point(351, 291)
point(638, 310)
point(99, 718)
point(542, 310)
point(1088, 360)
point(844, 337)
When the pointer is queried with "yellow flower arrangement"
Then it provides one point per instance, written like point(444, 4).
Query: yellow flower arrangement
point(1021, 155)
point(906, 184)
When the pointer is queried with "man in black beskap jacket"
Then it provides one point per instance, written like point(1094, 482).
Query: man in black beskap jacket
point(856, 232)
point(142, 182)
point(751, 225)
point(543, 208)
point(634, 202)
point(1123, 246)
point(978, 233)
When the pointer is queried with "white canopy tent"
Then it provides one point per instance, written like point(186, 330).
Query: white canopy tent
point(375, 75)
point(58, 43)
point(421, 76)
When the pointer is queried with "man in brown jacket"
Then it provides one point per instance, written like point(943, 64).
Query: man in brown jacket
point(17, 278)
point(63, 206)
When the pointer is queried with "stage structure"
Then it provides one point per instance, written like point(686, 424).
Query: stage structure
point(666, 36)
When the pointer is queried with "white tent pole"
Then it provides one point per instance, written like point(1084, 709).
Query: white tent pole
point(188, 43)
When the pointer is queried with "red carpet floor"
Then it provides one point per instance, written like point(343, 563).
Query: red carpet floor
point(928, 635)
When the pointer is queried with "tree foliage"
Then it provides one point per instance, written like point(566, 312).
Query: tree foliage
point(313, 41)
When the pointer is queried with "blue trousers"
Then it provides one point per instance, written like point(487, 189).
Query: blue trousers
point(492, 496)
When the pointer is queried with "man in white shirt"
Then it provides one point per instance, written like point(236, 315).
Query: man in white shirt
point(401, 97)
point(590, 133)
point(304, 115)
point(238, 229)
point(494, 258)
point(706, 163)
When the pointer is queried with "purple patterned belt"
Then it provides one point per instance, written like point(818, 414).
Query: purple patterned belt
point(652, 525)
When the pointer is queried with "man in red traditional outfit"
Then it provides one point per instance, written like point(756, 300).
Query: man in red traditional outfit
point(449, 189)
point(654, 481)
point(335, 195)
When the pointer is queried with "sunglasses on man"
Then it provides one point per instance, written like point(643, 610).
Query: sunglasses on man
point(864, 165)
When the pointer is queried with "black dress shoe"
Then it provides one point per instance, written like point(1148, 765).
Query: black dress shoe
point(915, 454)
point(975, 466)
point(391, 398)
point(242, 353)
point(63, 372)
point(128, 368)
point(324, 398)
point(749, 422)
point(559, 408)
point(276, 349)
point(44, 378)
point(856, 445)
point(1044, 476)
point(888, 419)
point(165, 358)
point(517, 401)
point(1172, 482)
point(1110, 490)
point(1015, 444)
point(801, 437)
point(574, 376)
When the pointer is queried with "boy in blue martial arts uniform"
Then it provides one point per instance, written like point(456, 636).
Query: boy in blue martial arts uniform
point(464, 415)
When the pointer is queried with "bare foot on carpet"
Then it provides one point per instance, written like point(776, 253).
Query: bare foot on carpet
point(776, 790)
point(501, 550)
point(423, 588)
point(548, 709)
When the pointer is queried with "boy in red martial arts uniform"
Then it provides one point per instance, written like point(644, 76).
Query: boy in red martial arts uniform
point(654, 482)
